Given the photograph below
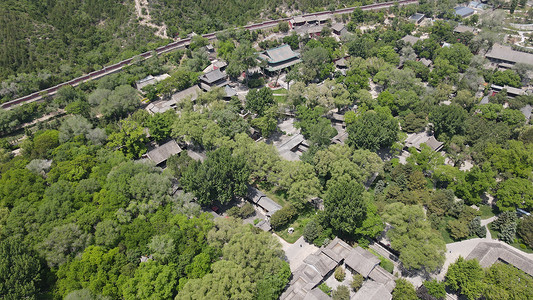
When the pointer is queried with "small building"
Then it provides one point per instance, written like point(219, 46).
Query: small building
point(263, 225)
point(148, 80)
point(409, 39)
point(371, 290)
point(257, 197)
point(339, 29)
point(297, 21)
point(216, 64)
point(229, 92)
point(505, 54)
point(463, 11)
point(489, 253)
point(426, 62)
point(361, 261)
point(417, 139)
point(322, 19)
point(163, 105)
point(213, 79)
point(477, 5)
point(526, 110)
point(280, 58)
point(160, 154)
point(197, 156)
point(340, 138)
point(341, 63)
point(311, 20)
point(314, 32)
point(511, 91)
point(462, 29)
point(416, 18)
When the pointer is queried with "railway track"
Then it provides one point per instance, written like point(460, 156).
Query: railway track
point(36, 96)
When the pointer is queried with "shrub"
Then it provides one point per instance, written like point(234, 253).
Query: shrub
point(341, 293)
point(340, 274)
point(283, 216)
point(458, 229)
point(234, 212)
point(525, 230)
point(476, 228)
point(357, 282)
point(247, 210)
point(312, 231)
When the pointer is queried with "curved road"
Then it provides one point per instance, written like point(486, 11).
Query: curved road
point(180, 44)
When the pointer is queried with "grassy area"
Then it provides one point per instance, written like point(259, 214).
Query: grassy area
point(298, 225)
point(385, 263)
point(518, 244)
point(522, 247)
point(493, 232)
point(280, 91)
point(280, 99)
point(325, 288)
point(486, 212)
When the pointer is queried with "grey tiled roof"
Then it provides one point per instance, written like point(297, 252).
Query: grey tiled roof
point(372, 290)
point(489, 253)
point(506, 53)
point(163, 152)
point(362, 261)
point(410, 39)
point(280, 54)
point(212, 76)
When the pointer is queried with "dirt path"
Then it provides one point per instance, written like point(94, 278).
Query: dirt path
point(146, 19)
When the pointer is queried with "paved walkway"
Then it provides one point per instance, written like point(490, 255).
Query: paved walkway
point(297, 252)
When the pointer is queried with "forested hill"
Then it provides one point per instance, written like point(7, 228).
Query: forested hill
point(43, 42)
point(202, 16)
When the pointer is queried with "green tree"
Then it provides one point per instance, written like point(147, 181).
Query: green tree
point(404, 290)
point(228, 280)
point(341, 293)
point(298, 179)
point(130, 139)
point(220, 178)
point(435, 288)
point(123, 100)
point(357, 282)
point(43, 143)
point(458, 55)
point(283, 216)
point(97, 270)
point(21, 270)
point(151, 281)
point(525, 230)
point(448, 119)
point(312, 231)
point(419, 245)
point(292, 40)
point(160, 125)
point(373, 130)
point(504, 281)
point(340, 274)
point(345, 206)
point(515, 193)
point(466, 277)
point(258, 101)
point(64, 243)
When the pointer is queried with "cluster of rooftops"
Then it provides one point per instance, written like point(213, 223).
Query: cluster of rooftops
point(319, 266)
